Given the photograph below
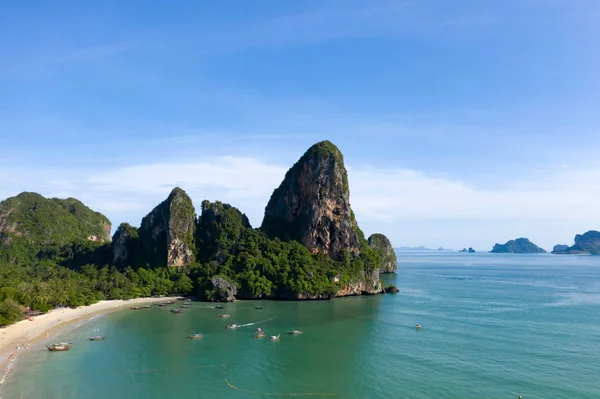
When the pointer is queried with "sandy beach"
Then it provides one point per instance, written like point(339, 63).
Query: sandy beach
point(26, 332)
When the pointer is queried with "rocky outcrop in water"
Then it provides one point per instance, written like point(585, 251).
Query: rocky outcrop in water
point(518, 246)
point(167, 233)
point(223, 290)
point(585, 244)
point(387, 257)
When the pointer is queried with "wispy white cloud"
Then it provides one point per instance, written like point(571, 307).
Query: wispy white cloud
point(399, 202)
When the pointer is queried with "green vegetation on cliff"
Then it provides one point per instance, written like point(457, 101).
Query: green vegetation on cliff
point(387, 256)
point(30, 223)
point(57, 252)
point(518, 246)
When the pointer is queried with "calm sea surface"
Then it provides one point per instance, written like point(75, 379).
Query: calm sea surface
point(494, 326)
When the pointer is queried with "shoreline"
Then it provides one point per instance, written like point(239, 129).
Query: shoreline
point(26, 332)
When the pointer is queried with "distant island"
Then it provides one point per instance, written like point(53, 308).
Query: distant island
point(421, 248)
point(585, 244)
point(470, 250)
point(518, 246)
point(309, 246)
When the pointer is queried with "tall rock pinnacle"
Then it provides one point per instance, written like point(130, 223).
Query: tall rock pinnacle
point(312, 204)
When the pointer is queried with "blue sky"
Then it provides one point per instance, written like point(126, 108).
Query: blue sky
point(462, 123)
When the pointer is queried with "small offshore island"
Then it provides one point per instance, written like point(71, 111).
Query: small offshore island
point(56, 252)
point(518, 246)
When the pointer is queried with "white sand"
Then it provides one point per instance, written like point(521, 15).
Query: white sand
point(26, 331)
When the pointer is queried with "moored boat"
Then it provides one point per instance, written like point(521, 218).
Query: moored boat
point(176, 311)
point(295, 332)
point(259, 334)
point(224, 316)
point(97, 338)
point(258, 307)
point(136, 308)
point(184, 306)
point(219, 307)
point(58, 348)
point(418, 326)
point(147, 306)
point(274, 337)
point(195, 336)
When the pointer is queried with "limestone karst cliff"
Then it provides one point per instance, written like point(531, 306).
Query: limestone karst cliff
point(387, 256)
point(585, 244)
point(312, 206)
point(167, 233)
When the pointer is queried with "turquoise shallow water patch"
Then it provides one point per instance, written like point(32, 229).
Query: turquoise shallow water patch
point(494, 326)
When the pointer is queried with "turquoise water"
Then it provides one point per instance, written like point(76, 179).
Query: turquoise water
point(494, 326)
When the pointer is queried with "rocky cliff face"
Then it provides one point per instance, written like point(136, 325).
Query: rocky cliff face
point(124, 245)
point(312, 204)
point(37, 220)
point(518, 246)
point(167, 233)
point(387, 257)
point(587, 243)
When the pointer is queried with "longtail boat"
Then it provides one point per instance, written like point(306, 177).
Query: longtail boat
point(295, 332)
point(194, 336)
point(58, 348)
point(176, 311)
point(97, 338)
point(259, 334)
point(224, 316)
point(274, 338)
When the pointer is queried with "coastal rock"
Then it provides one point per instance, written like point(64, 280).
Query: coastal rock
point(392, 289)
point(124, 245)
point(368, 284)
point(559, 249)
point(518, 246)
point(387, 257)
point(312, 204)
point(167, 233)
point(223, 290)
point(471, 250)
point(585, 244)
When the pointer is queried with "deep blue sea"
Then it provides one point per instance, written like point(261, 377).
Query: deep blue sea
point(493, 326)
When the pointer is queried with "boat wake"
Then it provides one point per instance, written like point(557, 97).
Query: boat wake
point(256, 322)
